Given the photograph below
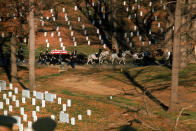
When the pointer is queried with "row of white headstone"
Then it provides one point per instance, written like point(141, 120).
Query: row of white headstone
point(49, 97)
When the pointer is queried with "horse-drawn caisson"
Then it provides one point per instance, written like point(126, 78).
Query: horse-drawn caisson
point(57, 57)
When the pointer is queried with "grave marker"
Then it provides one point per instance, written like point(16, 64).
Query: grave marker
point(9, 94)
point(48, 45)
point(45, 34)
point(29, 124)
point(43, 104)
point(1, 105)
point(16, 90)
point(23, 100)
point(11, 86)
point(26, 93)
point(20, 127)
point(13, 98)
point(59, 100)
point(49, 97)
point(33, 113)
point(89, 112)
point(89, 42)
point(7, 101)
point(73, 121)
point(10, 108)
point(25, 117)
point(52, 117)
point(33, 101)
point(34, 93)
point(5, 113)
point(17, 103)
point(79, 117)
point(4, 96)
point(37, 108)
point(3, 85)
point(64, 117)
point(64, 107)
point(39, 95)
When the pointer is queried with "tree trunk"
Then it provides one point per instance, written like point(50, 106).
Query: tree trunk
point(13, 59)
point(31, 48)
point(114, 24)
point(176, 58)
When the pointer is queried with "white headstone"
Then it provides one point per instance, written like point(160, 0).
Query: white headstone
point(59, 34)
point(49, 97)
point(9, 94)
point(23, 100)
point(3, 85)
point(10, 108)
point(47, 17)
point(37, 108)
point(52, 117)
point(13, 98)
point(86, 37)
point(20, 127)
point(29, 124)
point(22, 110)
point(51, 10)
point(26, 93)
point(5, 113)
point(63, 117)
point(64, 107)
point(45, 34)
point(39, 95)
point(52, 34)
point(75, 43)
point(33, 101)
point(1, 105)
point(43, 103)
point(57, 28)
point(34, 93)
point(141, 13)
point(110, 97)
point(60, 39)
point(33, 113)
point(63, 9)
point(7, 101)
point(46, 40)
point(73, 121)
point(59, 100)
point(4, 96)
point(2, 35)
point(16, 90)
point(79, 117)
point(124, 2)
point(75, 8)
point(17, 103)
point(25, 117)
point(89, 112)
point(34, 118)
point(78, 19)
point(48, 45)
point(42, 23)
point(89, 42)
point(72, 33)
point(135, 27)
point(11, 86)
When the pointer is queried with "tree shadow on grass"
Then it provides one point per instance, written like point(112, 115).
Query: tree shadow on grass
point(144, 90)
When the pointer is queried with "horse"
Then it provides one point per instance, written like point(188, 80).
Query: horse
point(115, 56)
point(100, 57)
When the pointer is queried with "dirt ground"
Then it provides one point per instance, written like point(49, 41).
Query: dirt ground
point(90, 81)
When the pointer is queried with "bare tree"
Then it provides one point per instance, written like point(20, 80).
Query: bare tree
point(176, 58)
point(31, 46)
point(13, 43)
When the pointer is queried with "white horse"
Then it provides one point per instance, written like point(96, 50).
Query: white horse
point(101, 58)
point(138, 56)
point(115, 56)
